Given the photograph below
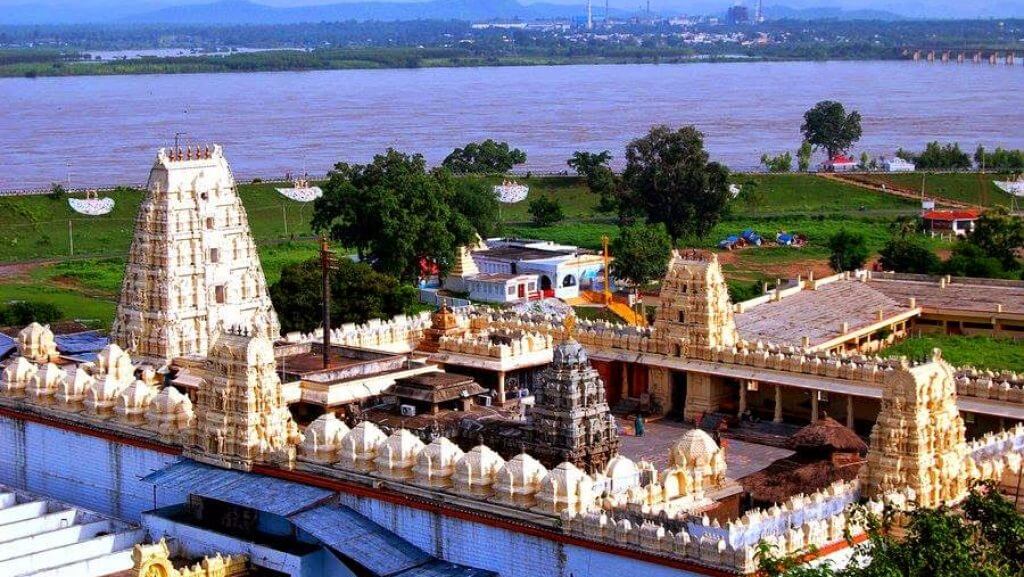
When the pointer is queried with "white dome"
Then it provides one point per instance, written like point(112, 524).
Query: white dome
point(621, 467)
point(694, 449)
point(435, 464)
point(400, 449)
point(521, 471)
point(364, 438)
point(136, 396)
point(475, 471)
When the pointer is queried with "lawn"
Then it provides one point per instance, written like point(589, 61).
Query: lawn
point(809, 194)
point(980, 352)
point(570, 191)
point(38, 227)
point(971, 188)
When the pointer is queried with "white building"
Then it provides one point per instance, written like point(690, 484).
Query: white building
point(897, 164)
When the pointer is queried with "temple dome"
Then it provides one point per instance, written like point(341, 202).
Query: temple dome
point(622, 468)
point(521, 476)
point(399, 450)
point(435, 464)
point(696, 448)
point(565, 487)
point(363, 438)
point(112, 360)
point(323, 437)
point(569, 353)
point(475, 472)
point(36, 343)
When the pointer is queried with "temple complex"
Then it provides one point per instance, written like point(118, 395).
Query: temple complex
point(410, 452)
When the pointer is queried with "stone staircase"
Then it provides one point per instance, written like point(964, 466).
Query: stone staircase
point(42, 538)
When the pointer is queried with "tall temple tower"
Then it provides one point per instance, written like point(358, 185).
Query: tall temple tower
point(919, 439)
point(571, 419)
point(241, 415)
point(695, 309)
point(193, 265)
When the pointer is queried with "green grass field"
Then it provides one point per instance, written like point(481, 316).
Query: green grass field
point(964, 187)
point(41, 228)
point(980, 352)
point(87, 285)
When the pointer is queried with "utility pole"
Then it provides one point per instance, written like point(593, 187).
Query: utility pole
point(590, 15)
point(607, 283)
point(71, 239)
point(326, 264)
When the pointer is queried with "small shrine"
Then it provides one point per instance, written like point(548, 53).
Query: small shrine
point(571, 421)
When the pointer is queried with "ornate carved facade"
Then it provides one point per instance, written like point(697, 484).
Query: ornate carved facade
point(241, 415)
point(695, 310)
point(918, 441)
point(193, 264)
point(571, 420)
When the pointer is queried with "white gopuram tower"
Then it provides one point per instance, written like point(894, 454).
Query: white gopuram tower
point(192, 267)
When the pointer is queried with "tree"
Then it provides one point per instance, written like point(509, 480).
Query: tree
point(827, 126)
point(396, 214)
point(942, 157)
point(669, 179)
point(21, 313)
point(57, 192)
point(641, 253)
point(359, 294)
point(999, 235)
point(849, 251)
point(865, 161)
point(545, 211)
point(584, 163)
point(778, 163)
point(908, 254)
point(752, 195)
point(983, 538)
point(969, 259)
point(484, 157)
point(601, 179)
point(803, 156)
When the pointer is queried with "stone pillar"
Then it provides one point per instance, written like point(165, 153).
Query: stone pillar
point(849, 411)
point(501, 388)
point(778, 404)
point(814, 406)
point(625, 381)
point(743, 398)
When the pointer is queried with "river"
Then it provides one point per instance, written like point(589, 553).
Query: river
point(94, 131)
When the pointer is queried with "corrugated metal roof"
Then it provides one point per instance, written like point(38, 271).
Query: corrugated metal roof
point(87, 342)
point(258, 492)
point(438, 568)
point(6, 345)
point(355, 537)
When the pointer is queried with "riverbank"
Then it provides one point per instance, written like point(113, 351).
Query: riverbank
point(290, 60)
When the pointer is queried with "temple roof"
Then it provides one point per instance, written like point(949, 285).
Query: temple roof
point(817, 314)
point(436, 388)
point(828, 435)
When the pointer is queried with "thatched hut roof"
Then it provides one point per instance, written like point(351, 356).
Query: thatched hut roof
point(826, 436)
point(787, 477)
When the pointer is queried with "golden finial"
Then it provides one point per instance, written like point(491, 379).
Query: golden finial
point(569, 324)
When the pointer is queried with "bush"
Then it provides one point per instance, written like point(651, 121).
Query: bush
point(21, 313)
point(57, 192)
point(545, 211)
point(778, 163)
point(908, 254)
point(849, 251)
point(939, 157)
point(969, 259)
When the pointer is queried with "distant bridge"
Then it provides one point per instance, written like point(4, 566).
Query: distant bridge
point(1008, 56)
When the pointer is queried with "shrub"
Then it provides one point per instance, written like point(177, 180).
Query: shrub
point(545, 211)
point(848, 251)
point(21, 313)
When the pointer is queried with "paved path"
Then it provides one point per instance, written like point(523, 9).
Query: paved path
point(742, 458)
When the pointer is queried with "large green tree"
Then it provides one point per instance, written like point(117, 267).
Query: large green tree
point(601, 180)
point(983, 538)
point(999, 234)
point(641, 253)
point(828, 127)
point(359, 294)
point(396, 214)
point(485, 157)
point(669, 179)
point(847, 250)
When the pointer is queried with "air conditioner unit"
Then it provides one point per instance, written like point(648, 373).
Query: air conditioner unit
point(408, 410)
point(484, 400)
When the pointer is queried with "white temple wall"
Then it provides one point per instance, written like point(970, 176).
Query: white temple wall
point(509, 553)
point(92, 472)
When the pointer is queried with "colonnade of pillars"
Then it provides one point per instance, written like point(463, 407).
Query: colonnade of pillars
point(777, 414)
